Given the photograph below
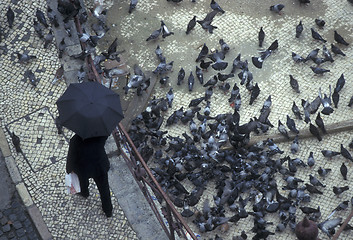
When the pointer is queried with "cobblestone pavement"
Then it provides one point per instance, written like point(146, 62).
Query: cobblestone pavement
point(28, 111)
point(15, 223)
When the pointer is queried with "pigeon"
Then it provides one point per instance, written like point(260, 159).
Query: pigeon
point(224, 46)
point(320, 123)
point(336, 50)
point(217, 58)
point(25, 58)
point(335, 98)
point(212, 82)
point(203, 53)
point(154, 35)
point(191, 81)
point(340, 83)
point(236, 64)
point(294, 84)
point(165, 30)
point(191, 25)
point(67, 27)
point(326, 102)
point(41, 18)
point(48, 39)
point(327, 54)
point(199, 74)
point(254, 93)
point(273, 46)
point(276, 8)
point(38, 29)
point(312, 189)
point(315, 131)
point(339, 190)
point(81, 74)
point(16, 142)
point(206, 22)
point(223, 77)
point(181, 76)
point(304, 1)
point(267, 104)
point(329, 153)
point(311, 160)
point(338, 38)
point(345, 153)
point(10, 15)
point(317, 36)
point(350, 104)
point(295, 145)
point(32, 79)
point(132, 6)
point(344, 170)
point(318, 70)
point(215, 6)
point(195, 102)
point(62, 46)
point(320, 23)
point(163, 80)
point(205, 65)
point(315, 182)
point(299, 29)
point(323, 171)
point(170, 97)
point(291, 125)
point(312, 55)
point(297, 58)
point(237, 102)
point(296, 111)
point(261, 37)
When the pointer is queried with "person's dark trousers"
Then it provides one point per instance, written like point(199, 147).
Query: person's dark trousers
point(103, 188)
point(104, 191)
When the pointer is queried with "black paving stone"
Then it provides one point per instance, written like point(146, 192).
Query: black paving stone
point(23, 238)
point(3, 238)
point(13, 217)
point(17, 225)
point(20, 232)
point(1, 233)
point(1, 215)
point(27, 223)
point(4, 220)
point(11, 235)
point(6, 228)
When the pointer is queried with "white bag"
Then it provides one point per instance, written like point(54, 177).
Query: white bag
point(72, 183)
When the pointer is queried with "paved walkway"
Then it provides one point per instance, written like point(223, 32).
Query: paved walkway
point(38, 170)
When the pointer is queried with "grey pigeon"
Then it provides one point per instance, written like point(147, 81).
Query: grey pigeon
point(291, 125)
point(132, 5)
point(336, 50)
point(318, 70)
point(261, 37)
point(10, 15)
point(299, 29)
point(320, 23)
point(203, 53)
point(48, 39)
point(41, 18)
point(215, 6)
point(191, 25)
point(338, 38)
point(345, 153)
point(317, 36)
point(294, 84)
point(154, 35)
point(276, 8)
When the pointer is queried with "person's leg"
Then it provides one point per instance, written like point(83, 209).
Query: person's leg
point(84, 186)
point(104, 191)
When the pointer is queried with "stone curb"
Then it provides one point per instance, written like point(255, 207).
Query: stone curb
point(15, 175)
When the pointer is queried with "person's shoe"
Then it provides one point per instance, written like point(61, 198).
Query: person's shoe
point(85, 195)
point(108, 214)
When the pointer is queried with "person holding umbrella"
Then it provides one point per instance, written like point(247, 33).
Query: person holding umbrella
point(92, 111)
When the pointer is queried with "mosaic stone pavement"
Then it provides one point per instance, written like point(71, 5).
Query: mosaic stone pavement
point(29, 112)
point(239, 28)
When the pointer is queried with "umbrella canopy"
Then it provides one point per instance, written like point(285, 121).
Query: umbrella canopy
point(89, 109)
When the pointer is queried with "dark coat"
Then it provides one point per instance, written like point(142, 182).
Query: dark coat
point(87, 157)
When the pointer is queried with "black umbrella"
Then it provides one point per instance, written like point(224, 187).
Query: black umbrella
point(89, 109)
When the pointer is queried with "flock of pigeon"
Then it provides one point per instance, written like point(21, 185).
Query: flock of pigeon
point(244, 177)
